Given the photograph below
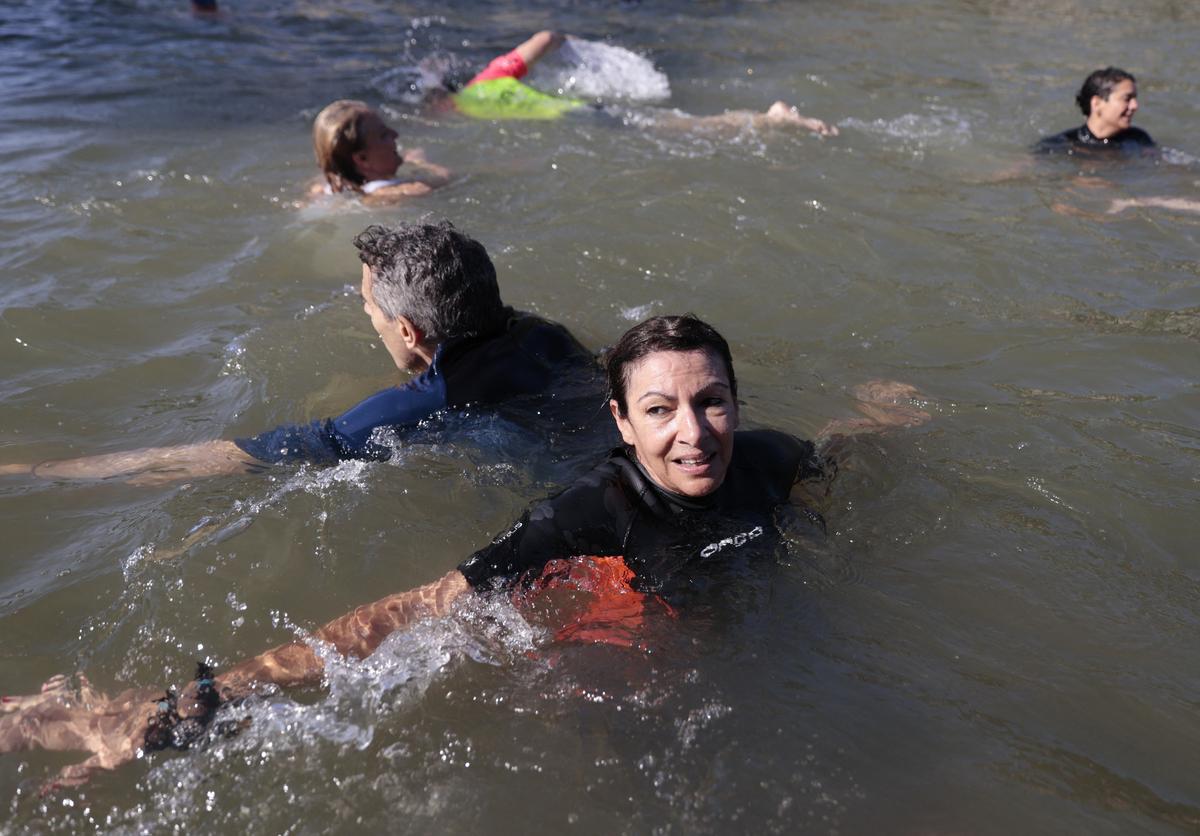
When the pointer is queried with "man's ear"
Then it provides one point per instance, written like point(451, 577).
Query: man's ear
point(409, 332)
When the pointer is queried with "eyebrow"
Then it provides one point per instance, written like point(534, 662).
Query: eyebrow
point(654, 393)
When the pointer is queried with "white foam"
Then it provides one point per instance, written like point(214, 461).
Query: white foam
point(595, 70)
point(1174, 156)
point(941, 127)
point(639, 312)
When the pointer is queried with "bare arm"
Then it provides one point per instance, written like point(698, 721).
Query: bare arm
point(1177, 203)
point(539, 46)
point(779, 114)
point(432, 176)
point(436, 175)
point(357, 634)
point(397, 193)
point(148, 466)
point(114, 730)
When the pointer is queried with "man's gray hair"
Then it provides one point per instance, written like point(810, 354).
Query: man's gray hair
point(437, 277)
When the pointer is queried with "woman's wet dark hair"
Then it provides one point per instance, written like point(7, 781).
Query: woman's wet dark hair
point(1100, 83)
point(663, 333)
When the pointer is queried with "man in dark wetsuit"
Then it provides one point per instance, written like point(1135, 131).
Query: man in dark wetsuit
point(432, 296)
point(1108, 99)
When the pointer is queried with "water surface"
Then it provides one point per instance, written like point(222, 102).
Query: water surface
point(998, 634)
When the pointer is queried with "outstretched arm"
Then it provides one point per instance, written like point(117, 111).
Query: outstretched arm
point(1179, 204)
point(114, 730)
point(539, 46)
point(356, 634)
point(779, 114)
point(148, 466)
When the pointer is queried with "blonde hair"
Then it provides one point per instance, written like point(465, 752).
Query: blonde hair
point(337, 136)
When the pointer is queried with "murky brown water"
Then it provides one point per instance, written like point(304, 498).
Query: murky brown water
point(999, 635)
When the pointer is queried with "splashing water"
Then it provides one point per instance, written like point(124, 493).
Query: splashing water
point(590, 69)
point(943, 127)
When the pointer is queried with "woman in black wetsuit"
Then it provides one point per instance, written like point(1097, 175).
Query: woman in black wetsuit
point(685, 493)
point(1108, 99)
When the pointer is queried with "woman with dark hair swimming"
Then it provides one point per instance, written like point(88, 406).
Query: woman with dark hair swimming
point(1108, 100)
point(687, 496)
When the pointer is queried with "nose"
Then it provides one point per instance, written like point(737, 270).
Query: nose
point(1133, 104)
point(691, 426)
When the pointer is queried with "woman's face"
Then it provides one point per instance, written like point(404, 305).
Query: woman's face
point(378, 158)
point(1116, 112)
point(680, 421)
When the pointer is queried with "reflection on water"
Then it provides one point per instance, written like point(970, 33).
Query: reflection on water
point(996, 633)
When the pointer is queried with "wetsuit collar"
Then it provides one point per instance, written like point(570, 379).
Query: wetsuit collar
point(1085, 136)
point(654, 494)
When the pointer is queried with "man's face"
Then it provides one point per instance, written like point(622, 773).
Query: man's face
point(396, 335)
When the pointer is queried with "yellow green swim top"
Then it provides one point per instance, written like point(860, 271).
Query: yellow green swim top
point(507, 98)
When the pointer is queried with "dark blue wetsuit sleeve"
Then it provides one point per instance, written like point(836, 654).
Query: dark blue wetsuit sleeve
point(349, 435)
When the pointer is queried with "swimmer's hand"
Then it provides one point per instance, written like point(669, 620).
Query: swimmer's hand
point(781, 113)
point(887, 404)
point(16, 469)
point(66, 719)
point(891, 403)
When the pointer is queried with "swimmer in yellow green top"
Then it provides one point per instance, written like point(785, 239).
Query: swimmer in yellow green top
point(497, 93)
point(357, 152)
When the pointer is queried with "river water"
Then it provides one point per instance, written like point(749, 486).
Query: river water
point(998, 634)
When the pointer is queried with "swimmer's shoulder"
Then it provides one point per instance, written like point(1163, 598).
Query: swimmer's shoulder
point(1136, 136)
point(779, 458)
point(546, 339)
point(1057, 143)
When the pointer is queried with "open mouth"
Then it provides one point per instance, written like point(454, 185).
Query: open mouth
point(697, 461)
